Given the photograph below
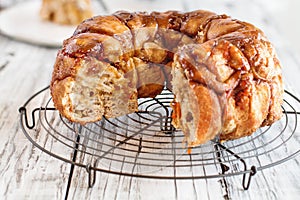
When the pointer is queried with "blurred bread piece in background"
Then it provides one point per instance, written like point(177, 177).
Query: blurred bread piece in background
point(66, 12)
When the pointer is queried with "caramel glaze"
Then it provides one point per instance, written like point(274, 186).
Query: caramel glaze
point(227, 55)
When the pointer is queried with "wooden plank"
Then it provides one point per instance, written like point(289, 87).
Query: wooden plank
point(28, 173)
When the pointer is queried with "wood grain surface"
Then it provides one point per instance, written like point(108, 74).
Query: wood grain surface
point(29, 173)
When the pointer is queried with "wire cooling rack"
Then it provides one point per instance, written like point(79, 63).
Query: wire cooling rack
point(145, 144)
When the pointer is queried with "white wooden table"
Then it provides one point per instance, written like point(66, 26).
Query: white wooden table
point(28, 173)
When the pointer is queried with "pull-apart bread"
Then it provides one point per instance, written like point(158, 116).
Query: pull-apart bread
point(223, 72)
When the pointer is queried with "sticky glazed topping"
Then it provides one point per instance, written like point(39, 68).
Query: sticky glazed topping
point(230, 60)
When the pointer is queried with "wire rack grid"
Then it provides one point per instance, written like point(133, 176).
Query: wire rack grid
point(145, 144)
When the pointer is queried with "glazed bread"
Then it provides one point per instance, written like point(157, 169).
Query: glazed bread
point(66, 12)
point(224, 73)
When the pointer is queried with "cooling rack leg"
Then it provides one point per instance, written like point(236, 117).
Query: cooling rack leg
point(72, 166)
point(69, 181)
point(23, 110)
point(226, 168)
point(252, 173)
point(91, 174)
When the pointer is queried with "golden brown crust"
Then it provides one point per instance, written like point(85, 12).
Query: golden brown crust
point(60, 90)
point(150, 79)
point(210, 113)
point(107, 25)
point(227, 64)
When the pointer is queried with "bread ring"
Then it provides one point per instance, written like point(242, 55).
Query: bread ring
point(224, 73)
